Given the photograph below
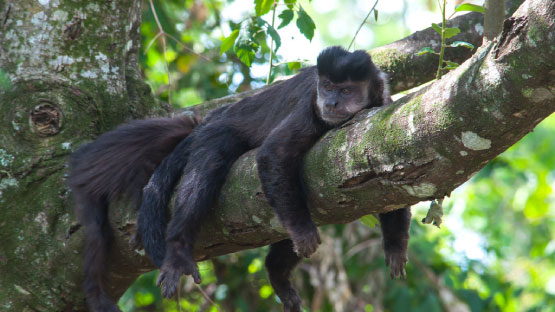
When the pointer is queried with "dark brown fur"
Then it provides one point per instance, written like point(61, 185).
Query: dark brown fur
point(116, 165)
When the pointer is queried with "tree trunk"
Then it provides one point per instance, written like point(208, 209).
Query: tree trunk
point(68, 71)
point(63, 68)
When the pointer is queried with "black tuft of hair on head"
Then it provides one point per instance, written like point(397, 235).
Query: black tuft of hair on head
point(341, 65)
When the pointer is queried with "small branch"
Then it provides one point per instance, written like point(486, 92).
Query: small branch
point(271, 45)
point(362, 24)
point(161, 31)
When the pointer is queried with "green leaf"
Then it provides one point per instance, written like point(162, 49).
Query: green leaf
point(425, 50)
point(246, 56)
point(450, 32)
point(450, 65)
point(436, 28)
point(369, 220)
point(305, 24)
point(470, 7)
point(286, 17)
point(462, 44)
point(228, 42)
point(275, 36)
point(263, 6)
point(294, 66)
point(376, 15)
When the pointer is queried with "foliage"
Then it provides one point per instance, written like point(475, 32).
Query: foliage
point(448, 32)
point(494, 251)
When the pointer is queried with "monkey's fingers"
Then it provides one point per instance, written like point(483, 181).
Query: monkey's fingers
point(168, 281)
point(196, 277)
point(306, 243)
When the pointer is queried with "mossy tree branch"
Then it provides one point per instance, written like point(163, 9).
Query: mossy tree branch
point(421, 147)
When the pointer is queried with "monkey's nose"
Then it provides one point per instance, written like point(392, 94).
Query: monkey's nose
point(331, 105)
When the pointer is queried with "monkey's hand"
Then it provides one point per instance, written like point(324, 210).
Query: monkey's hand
point(396, 259)
point(305, 240)
point(171, 271)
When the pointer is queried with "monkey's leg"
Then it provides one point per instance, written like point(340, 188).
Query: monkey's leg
point(395, 230)
point(98, 238)
point(280, 261)
point(209, 163)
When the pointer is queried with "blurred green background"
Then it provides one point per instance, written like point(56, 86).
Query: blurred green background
point(495, 250)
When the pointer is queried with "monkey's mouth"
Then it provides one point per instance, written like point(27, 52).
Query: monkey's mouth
point(334, 116)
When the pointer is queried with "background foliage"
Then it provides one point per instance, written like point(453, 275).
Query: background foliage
point(495, 250)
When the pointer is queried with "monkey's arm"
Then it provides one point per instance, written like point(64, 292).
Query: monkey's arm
point(395, 231)
point(279, 168)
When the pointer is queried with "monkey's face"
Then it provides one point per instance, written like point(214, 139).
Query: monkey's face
point(338, 102)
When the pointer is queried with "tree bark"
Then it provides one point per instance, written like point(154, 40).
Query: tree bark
point(68, 71)
point(62, 69)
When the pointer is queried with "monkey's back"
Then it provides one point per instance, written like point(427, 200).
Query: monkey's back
point(122, 160)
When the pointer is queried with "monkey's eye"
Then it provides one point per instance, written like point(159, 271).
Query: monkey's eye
point(328, 86)
point(345, 91)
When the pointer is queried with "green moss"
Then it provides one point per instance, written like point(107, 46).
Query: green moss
point(387, 59)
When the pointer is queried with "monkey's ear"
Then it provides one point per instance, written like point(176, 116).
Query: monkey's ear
point(379, 90)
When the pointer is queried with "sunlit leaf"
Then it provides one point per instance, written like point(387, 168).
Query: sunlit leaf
point(436, 28)
point(263, 6)
point(246, 56)
point(290, 3)
point(265, 291)
point(369, 220)
point(294, 66)
point(470, 7)
point(425, 50)
point(275, 36)
point(286, 17)
point(462, 44)
point(305, 24)
point(450, 32)
point(228, 42)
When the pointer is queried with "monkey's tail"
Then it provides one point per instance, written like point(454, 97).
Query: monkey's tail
point(154, 213)
point(93, 215)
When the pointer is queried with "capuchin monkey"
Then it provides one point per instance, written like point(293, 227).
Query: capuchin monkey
point(116, 166)
point(284, 121)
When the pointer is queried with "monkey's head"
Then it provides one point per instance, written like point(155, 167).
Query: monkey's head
point(347, 83)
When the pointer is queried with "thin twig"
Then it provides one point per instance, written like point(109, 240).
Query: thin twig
point(152, 41)
point(271, 45)
point(442, 50)
point(362, 24)
point(161, 30)
point(207, 297)
point(181, 44)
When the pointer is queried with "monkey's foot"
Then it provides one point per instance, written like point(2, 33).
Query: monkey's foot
point(305, 242)
point(396, 261)
point(171, 271)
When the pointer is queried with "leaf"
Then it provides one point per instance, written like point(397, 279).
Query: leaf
point(275, 36)
point(263, 6)
point(376, 15)
point(228, 42)
point(470, 7)
point(462, 44)
point(369, 220)
point(436, 28)
point(425, 50)
point(450, 65)
point(246, 56)
point(294, 66)
point(305, 24)
point(286, 17)
point(450, 32)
